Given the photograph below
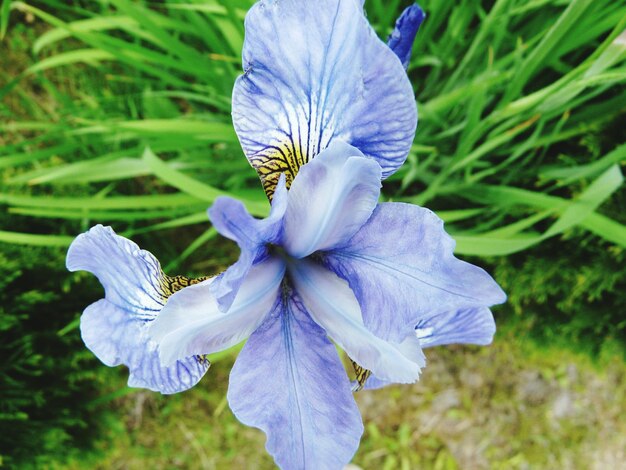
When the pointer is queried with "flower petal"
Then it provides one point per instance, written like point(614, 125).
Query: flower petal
point(192, 324)
point(401, 39)
point(116, 337)
point(402, 269)
point(132, 278)
point(464, 326)
point(231, 219)
point(288, 381)
point(330, 199)
point(334, 307)
point(136, 289)
point(315, 72)
point(409, 349)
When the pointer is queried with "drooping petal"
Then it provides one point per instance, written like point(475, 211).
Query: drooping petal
point(401, 268)
point(231, 219)
point(116, 337)
point(192, 324)
point(464, 326)
point(408, 348)
point(334, 307)
point(315, 72)
point(136, 289)
point(401, 39)
point(131, 277)
point(330, 199)
point(288, 381)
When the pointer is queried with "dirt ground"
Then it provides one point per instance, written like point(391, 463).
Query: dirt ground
point(505, 407)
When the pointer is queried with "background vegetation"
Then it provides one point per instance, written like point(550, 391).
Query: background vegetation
point(118, 112)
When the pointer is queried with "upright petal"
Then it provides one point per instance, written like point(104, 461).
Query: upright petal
point(192, 324)
point(315, 72)
point(330, 199)
point(288, 381)
point(463, 326)
point(136, 289)
point(402, 269)
point(333, 306)
point(401, 39)
point(231, 219)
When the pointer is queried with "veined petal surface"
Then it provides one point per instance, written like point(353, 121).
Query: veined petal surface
point(289, 382)
point(116, 337)
point(330, 199)
point(315, 71)
point(402, 269)
point(115, 328)
point(463, 326)
point(333, 306)
point(192, 324)
point(231, 219)
point(132, 278)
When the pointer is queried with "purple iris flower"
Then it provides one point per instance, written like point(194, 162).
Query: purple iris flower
point(324, 112)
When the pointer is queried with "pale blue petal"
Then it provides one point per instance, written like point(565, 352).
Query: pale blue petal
point(330, 199)
point(231, 219)
point(401, 39)
point(191, 323)
point(334, 307)
point(315, 71)
point(114, 328)
point(131, 277)
point(116, 337)
point(402, 269)
point(374, 383)
point(410, 348)
point(289, 382)
point(464, 326)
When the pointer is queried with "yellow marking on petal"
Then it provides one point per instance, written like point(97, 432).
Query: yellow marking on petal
point(272, 162)
point(361, 374)
point(171, 284)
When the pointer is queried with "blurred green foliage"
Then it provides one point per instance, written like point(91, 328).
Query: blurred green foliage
point(47, 377)
point(577, 301)
point(118, 112)
point(508, 91)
